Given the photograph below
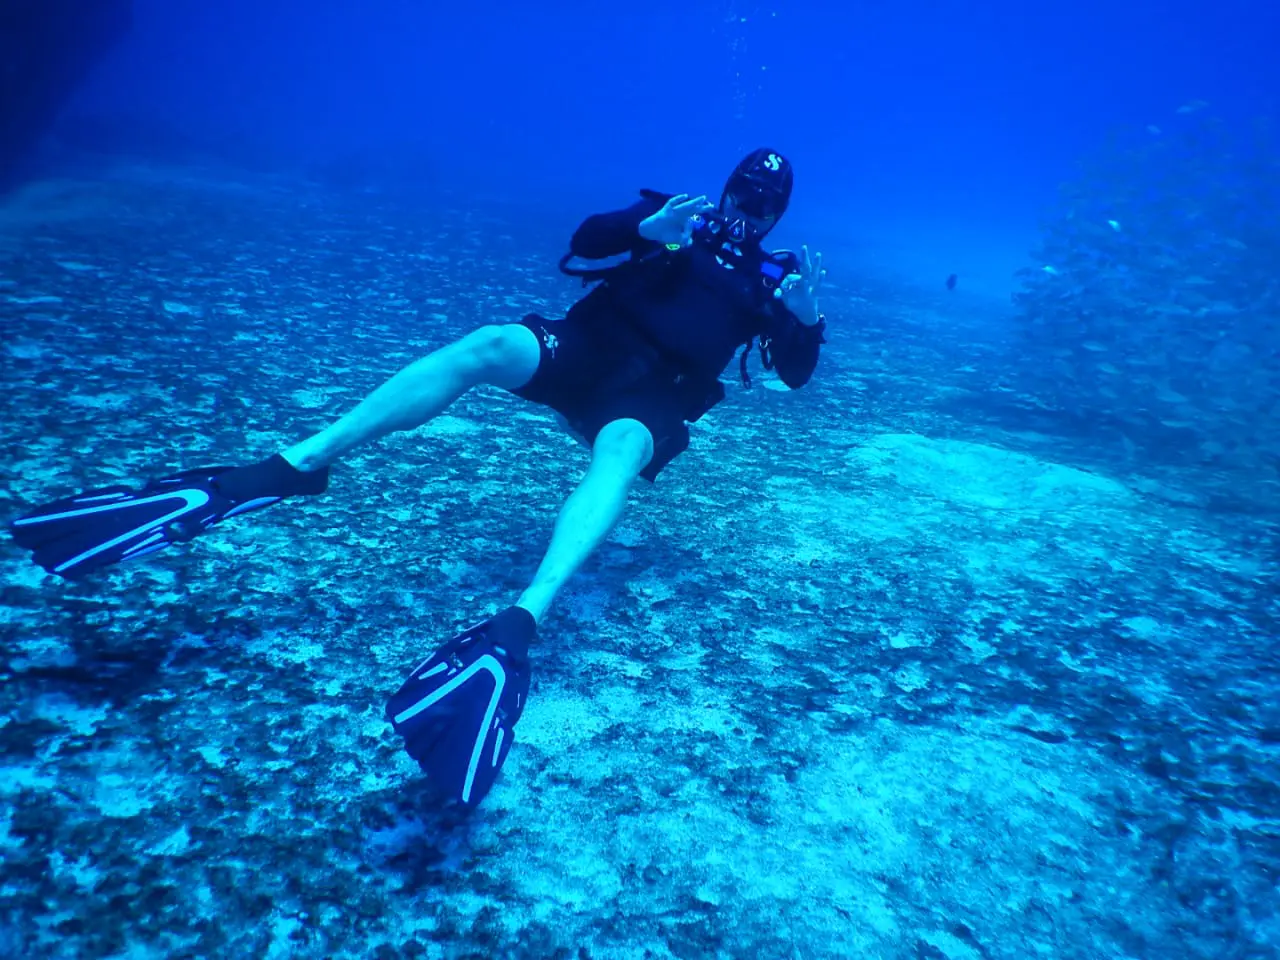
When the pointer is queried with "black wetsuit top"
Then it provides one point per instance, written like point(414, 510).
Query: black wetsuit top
point(688, 303)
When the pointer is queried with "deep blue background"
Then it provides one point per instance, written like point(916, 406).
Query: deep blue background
point(927, 136)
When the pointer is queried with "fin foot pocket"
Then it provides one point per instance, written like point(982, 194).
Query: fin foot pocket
point(458, 710)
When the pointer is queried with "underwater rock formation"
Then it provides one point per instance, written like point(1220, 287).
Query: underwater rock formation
point(1154, 297)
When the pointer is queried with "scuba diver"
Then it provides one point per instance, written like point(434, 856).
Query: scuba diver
point(627, 369)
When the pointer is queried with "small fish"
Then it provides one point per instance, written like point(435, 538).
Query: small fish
point(1050, 270)
point(1114, 225)
point(951, 282)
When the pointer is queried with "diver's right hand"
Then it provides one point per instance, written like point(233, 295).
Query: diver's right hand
point(673, 224)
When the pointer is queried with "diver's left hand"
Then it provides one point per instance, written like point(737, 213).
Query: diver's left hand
point(799, 291)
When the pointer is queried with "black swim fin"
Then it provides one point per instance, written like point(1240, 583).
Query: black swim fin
point(82, 533)
point(457, 711)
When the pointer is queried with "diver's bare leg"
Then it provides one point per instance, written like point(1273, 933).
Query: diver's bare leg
point(504, 356)
point(621, 450)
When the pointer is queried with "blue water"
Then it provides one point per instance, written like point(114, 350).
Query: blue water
point(964, 650)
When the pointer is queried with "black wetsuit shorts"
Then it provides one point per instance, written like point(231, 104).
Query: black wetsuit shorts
point(592, 378)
